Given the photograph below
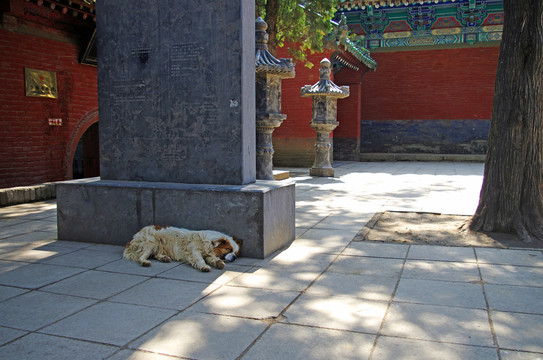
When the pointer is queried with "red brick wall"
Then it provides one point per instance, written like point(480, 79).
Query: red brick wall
point(442, 84)
point(434, 84)
point(31, 151)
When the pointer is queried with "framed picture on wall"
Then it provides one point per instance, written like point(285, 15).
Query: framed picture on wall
point(41, 83)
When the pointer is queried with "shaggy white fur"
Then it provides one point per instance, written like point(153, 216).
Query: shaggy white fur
point(166, 243)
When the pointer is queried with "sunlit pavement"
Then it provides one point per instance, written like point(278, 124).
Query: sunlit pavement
point(324, 297)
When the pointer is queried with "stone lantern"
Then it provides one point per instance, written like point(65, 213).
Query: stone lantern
point(325, 95)
point(269, 72)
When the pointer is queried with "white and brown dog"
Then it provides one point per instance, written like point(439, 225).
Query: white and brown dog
point(198, 248)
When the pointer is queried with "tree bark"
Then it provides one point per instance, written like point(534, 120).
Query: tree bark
point(272, 19)
point(511, 196)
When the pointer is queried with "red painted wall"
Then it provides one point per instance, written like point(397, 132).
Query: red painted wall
point(435, 84)
point(31, 151)
point(349, 109)
point(442, 84)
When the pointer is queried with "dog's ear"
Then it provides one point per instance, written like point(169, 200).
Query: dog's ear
point(238, 241)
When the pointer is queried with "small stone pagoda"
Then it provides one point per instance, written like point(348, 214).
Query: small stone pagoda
point(269, 72)
point(325, 95)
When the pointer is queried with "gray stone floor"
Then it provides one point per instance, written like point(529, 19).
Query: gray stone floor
point(324, 297)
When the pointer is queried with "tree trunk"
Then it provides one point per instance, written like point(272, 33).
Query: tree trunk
point(511, 197)
point(272, 15)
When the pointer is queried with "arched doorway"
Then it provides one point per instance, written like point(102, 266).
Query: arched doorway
point(86, 161)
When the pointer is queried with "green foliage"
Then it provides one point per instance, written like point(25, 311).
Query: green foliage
point(303, 23)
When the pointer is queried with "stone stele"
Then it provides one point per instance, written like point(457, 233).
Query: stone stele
point(176, 92)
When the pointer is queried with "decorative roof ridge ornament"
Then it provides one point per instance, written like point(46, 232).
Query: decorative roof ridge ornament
point(338, 39)
point(265, 61)
point(325, 86)
point(362, 4)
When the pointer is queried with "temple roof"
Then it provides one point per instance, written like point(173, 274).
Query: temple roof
point(348, 4)
point(361, 53)
point(345, 48)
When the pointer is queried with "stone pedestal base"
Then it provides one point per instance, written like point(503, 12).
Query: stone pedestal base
point(324, 172)
point(262, 214)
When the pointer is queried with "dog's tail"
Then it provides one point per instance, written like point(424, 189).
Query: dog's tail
point(129, 252)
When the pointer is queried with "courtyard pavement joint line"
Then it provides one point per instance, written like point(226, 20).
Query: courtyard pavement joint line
point(490, 321)
point(374, 346)
point(280, 317)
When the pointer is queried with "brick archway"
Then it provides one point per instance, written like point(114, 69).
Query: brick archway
point(82, 126)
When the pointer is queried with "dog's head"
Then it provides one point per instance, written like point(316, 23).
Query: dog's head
point(227, 248)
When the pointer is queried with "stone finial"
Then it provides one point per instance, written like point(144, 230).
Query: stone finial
point(265, 61)
point(325, 69)
point(261, 35)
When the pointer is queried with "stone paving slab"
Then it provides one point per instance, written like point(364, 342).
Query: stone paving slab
point(275, 279)
point(355, 265)
point(337, 312)
point(7, 292)
point(515, 298)
point(512, 275)
point(376, 250)
point(30, 253)
point(323, 296)
point(217, 277)
point(8, 335)
point(33, 276)
point(358, 286)
point(202, 336)
point(34, 310)
point(439, 323)
point(180, 294)
point(422, 291)
point(441, 270)
point(85, 258)
point(138, 355)
point(519, 331)
point(302, 343)
point(510, 257)
point(27, 227)
point(95, 284)
point(298, 260)
point(519, 355)
point(34, 239)
point(246, 302)
point(109, 323)
point(133, 268)
point(409, 349)
point(41, 346)
point(442, 253)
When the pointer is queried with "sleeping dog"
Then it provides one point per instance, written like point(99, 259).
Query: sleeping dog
point(198, 248)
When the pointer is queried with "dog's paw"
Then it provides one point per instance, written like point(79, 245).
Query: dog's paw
point(220, 264)
point(165, 259)
point(205, 269)
point(146, 263)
